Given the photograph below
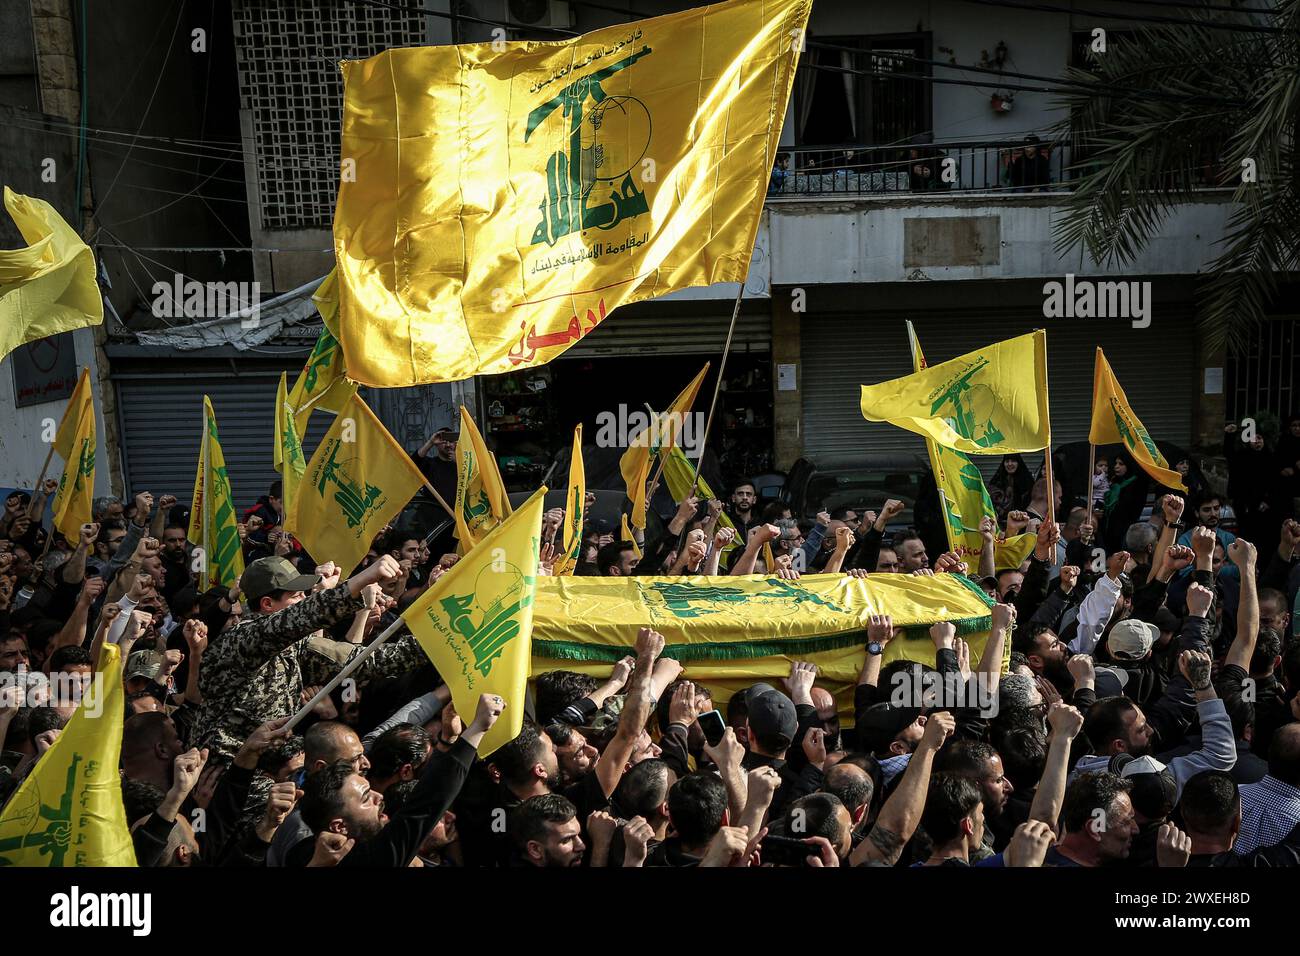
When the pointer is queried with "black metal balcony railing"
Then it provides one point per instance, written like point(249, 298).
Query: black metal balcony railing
point(1004, 166)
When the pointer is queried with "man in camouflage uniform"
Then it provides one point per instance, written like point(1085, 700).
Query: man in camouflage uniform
point(256, 670)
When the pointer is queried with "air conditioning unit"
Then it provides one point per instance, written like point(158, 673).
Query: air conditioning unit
point(529, 13)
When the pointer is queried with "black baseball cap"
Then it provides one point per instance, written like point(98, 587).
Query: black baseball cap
point(273, 574)
point(770, 712)
point(882, 723)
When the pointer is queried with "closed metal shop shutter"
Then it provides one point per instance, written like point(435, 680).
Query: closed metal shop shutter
point(839, 353)
point(162, 418)
point(662, 334)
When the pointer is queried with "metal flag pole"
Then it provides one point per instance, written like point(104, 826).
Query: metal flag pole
point(347, 669)
point(717, 387)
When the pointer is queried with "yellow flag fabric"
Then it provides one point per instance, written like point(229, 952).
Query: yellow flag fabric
point(356, 482)
point(625, 534)
point(69, 811)
point(289, 460)
point(509, 196)
point(72, 502)
point(48, 286)
point(575, 509)
point(992, 401)
point(321, 383)
point(732, 631)
point(1113, 421)
point(1011, 552)
point(213, 520)
point(326, 298)
point(79, 404)
point(962, 494)
point(476, 621)
point(678, 475)
point(482, 502)
point(661, 433)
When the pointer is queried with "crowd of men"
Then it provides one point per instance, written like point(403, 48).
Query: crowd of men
point(1148, 715)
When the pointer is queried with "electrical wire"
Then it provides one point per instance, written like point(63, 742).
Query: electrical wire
point(1177, 21)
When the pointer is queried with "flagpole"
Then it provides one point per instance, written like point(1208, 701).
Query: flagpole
point(445, 507)
point(347, 669)
point(31, 513)
point(1092, 466)
point(717, 387)
point(1051, 498)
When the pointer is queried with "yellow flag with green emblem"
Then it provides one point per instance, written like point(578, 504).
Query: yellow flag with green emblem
point(49, 285)
point(79, 404)
point(575, 509)
point(72, 502)
point(214, 527)
point(992, 401)
point(356, 482)
point(322, 383)
point(662, 433)
point(678, 474)
point(481, 499)
point(289, 460)
point(476, 621)
point(1113, 421)
point(625, 534)
point(509, 196)
point(69, 810)
point(962, 494)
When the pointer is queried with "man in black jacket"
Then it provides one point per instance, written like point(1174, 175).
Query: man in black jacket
point(340, 801)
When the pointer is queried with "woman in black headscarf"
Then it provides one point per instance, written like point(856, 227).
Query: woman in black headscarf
point(1124, 501)
point(1011, 486)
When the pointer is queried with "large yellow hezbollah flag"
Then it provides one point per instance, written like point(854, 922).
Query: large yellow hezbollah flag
point(69, 811)
point(732, 631)
point(288, 457)
point(214, 526)
point(992, 401)
point(662, 433)
point(476, 621)
point(75, 441)
point(356, 482)
point(1113, 421)
point(481, 499)
point(575, 509)
point(48, 286)
point(507, 197)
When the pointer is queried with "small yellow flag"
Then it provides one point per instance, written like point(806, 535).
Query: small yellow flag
point(214, 527)
point(625, 534)
point(356, 482)
point(79, 404)
point(678, 475)
point(962, 494)
point(69, 811)
point(1011, 552)
point(509, 196)
point(481, 499)
point(661, 434)
point(289, 460)
point(575, 509)
point(992, 401)
point(1113, 421)
point(72, 502)
point(476, 621)
point(48, 286)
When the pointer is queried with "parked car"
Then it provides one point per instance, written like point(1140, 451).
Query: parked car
point(862, 485)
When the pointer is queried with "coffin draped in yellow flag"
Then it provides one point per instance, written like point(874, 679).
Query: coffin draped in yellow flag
point(75, 444)
point(1113, 421)
point(992, 401)
point(356, 482)
point(732, 631)
point(48, 286)
point(476, 621)
point(481, 499)
point(289, 460)
point(69, 811)
point(214, 527)
point(661, 434)
point(508, 197)
point(575, 510)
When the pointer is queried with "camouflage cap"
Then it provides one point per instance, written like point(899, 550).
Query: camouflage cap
point(145, 664)
point(273, 574)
